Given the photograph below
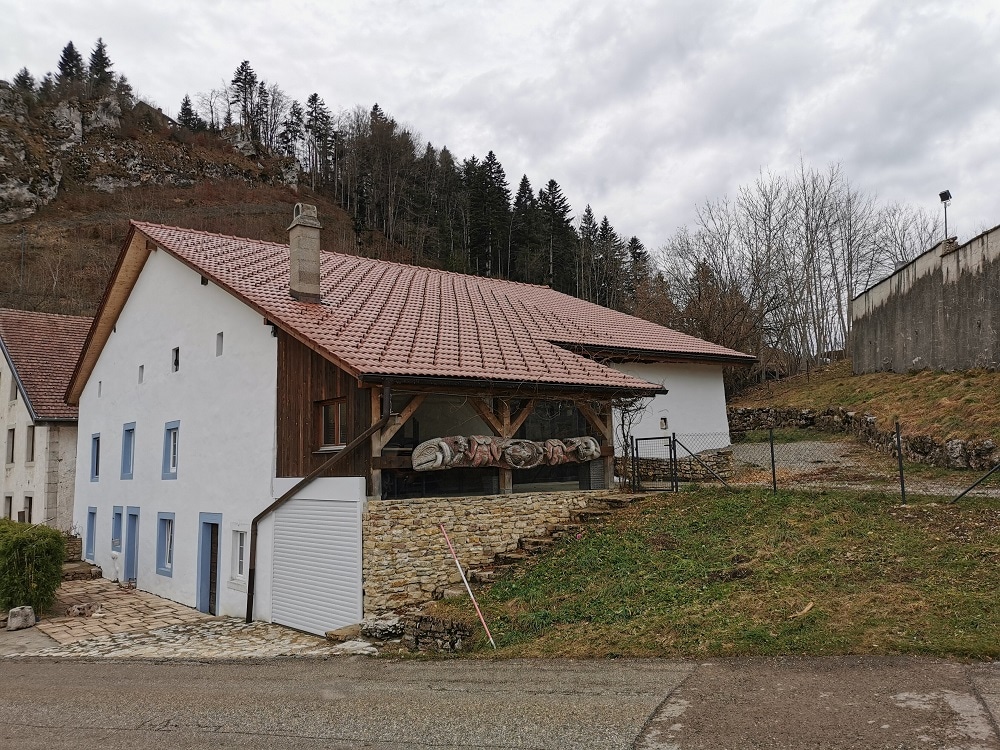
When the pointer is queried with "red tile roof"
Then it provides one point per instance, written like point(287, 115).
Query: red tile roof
point(43, 349)
point(381, 318)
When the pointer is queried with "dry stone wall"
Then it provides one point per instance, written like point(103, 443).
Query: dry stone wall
point(406, 558)
point(954, 453)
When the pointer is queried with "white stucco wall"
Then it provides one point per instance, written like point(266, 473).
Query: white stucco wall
point(51, 504)
point(226, 409)
point(694, 406)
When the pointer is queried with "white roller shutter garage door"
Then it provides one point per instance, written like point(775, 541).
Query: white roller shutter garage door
point(316, 572)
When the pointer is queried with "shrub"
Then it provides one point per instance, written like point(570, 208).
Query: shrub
point(31, 560)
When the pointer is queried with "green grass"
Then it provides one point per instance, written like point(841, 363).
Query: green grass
point(711, 573)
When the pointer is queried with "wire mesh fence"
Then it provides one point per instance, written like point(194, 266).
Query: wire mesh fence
point(788, 458)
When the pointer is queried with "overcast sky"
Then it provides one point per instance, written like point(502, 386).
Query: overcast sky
point(642, 109)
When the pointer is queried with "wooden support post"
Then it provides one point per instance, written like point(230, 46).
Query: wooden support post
point(506, 475)
point(376, 442)
point(389, 431)
point(609, 461)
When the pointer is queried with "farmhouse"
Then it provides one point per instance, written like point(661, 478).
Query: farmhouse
point(939, 311)
point(39, 352)
point(293, 425)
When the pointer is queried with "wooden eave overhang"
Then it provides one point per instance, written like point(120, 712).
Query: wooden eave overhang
point(622, 355)
point(506, 387)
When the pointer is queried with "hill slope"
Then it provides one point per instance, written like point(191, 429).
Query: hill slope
point(945, 404)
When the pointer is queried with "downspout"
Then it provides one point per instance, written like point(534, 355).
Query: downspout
point(301, 484)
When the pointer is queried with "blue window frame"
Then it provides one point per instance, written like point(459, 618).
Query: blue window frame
point(171, 449)
point(95, 457)
point(116, 529)
point(128, 450)
point(91, 532)
point(165, 544)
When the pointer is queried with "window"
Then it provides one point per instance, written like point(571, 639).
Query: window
point(10, 445)
point(171, 443)
point(8, 506)
point(95, 457)
point(142, 369)
point(13, 387)
point(128, 450)
point(240, 552)
point(29, 449)
point(175, 359)
point(218, 344)
point(91, 532)
point(29, 501)
point(100, 388)
point(165, 544)
point(335, 423)
point(116, 529)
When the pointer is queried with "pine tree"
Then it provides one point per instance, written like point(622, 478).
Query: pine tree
point(559, 238)
point(99, 73)
point(24, 81)
point(587, 277)
point(292, 130)
point(525, 235)
point(244, 96)
point(70, 66)
point(188, 118)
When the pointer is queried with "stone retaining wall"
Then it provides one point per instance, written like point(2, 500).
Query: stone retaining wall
point(406, 558)
point(955, 453)
point(74, 548)
point(432, 634)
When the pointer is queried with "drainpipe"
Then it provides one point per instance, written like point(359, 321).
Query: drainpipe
point(300, 485)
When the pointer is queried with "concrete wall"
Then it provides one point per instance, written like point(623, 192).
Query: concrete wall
point(226, 409)
point(940, 311)
point(48, 480)
point(694, 405)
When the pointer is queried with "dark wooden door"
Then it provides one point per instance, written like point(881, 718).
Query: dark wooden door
point(213, 570)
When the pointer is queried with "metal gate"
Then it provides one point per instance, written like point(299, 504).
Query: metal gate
point(316, 569)
point(653, 464)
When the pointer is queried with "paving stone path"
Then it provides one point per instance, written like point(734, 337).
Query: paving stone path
point(218, 638)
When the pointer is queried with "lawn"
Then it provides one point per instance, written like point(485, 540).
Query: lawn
point(713, 573)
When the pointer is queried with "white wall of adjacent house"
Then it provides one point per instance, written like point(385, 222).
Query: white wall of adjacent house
point(38, 464)
point(189, 357)
point(694, 407)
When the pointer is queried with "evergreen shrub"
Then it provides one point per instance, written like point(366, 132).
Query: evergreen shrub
point(31, 560)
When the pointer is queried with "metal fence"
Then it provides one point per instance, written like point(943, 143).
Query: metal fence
point(788, 458)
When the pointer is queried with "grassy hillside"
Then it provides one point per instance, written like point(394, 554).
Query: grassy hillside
point(711, 573)
point(943, 404)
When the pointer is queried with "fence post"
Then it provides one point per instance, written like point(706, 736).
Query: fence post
point(774, 466)
point(899, 458)
point(634, 460)
point(674, 480)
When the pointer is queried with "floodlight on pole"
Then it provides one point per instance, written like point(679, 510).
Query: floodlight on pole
point(945, 196)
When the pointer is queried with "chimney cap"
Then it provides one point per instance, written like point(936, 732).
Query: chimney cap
point(305, 215)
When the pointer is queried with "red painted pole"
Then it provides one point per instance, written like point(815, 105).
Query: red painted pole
point(468, 588)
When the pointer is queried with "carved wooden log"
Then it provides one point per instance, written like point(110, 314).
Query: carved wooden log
point(482, 451)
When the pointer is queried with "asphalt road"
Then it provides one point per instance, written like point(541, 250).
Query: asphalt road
point(383, 704)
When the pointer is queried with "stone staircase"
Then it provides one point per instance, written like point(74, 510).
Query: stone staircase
point(597, 510)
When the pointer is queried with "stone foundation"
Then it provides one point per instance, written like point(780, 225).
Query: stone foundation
point(406, 558)
point(432, 634)
point(955, 453)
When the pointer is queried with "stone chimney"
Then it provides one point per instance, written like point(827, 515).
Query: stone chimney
point(303, 242)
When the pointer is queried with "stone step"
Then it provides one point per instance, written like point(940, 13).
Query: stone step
point(80, 570)
point(512, 558)
point(536, 544)
point(585, 515)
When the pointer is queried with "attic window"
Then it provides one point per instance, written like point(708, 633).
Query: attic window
point(175, 359)
point(204, 281)
point(218, 344)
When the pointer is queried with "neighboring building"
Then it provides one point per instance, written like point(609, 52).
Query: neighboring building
point(220, 371)
point(939, 311)
point(39, 440)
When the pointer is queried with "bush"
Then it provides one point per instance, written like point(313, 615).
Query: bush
point(31, 560)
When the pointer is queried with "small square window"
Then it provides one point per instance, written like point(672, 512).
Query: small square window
point(165, 544)
point(95, 457)
point(175, 359)
point(171, 449)
point(218, 344)
point(116, 529)
point(335, 423)
point(29, 448)
point(128, 450)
